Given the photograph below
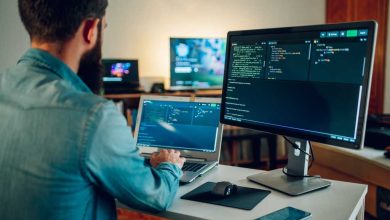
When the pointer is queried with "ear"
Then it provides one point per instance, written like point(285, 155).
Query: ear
point(90, 31)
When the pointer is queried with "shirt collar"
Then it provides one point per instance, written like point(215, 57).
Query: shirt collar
point(56, 66)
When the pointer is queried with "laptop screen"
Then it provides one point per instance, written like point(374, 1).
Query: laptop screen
point(179, 125)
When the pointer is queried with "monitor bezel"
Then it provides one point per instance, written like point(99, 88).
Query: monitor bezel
point(371, 41)
point(179, 88)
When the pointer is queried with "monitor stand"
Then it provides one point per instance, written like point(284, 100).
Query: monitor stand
point(297, 166)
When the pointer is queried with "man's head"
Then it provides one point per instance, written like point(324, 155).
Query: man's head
point(58, 22)
point(91, 68)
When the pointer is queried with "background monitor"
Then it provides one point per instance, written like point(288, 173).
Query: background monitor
point(120, 75)
point(197, 63)
point(309, 82)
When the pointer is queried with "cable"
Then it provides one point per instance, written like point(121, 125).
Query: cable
point(294, 145)
point(311, 158)
point(298, 176)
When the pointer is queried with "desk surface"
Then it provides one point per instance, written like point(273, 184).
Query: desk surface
point(342, 200)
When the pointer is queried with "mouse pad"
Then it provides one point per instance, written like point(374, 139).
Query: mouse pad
point(245, 198)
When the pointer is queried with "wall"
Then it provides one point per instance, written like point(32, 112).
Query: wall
point(141, 28)
point(142, 31)
point(13, 38)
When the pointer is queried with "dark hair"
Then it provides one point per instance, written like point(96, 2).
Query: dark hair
point(58, 20)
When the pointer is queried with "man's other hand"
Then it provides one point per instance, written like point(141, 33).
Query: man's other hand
point(170, 156)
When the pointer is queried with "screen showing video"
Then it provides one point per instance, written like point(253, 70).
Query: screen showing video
point(120, 70)
point(197, 62)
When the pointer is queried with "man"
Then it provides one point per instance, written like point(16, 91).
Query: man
point(66, 153)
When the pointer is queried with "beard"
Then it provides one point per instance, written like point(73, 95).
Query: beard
point(91, 68)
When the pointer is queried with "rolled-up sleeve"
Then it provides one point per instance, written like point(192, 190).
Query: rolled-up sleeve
point(111, 161)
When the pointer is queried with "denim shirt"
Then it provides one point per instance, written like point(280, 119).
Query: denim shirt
point(66, 153)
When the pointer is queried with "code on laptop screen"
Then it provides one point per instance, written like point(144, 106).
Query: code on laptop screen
point(179, 125)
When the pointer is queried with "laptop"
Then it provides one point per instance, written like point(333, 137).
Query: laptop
point(188, 125)
point(121, 76)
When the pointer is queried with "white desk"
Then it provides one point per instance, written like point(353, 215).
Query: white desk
point(340, 201)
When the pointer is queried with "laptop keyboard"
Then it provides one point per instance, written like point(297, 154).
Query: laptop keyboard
point(192, 166)
point(188, 166)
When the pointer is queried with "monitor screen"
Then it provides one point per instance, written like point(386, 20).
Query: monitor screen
point(197, 63)
point(120, 71)
point(308, 82)
point(179, 125)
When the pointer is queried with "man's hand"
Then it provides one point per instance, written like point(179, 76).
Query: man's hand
point(170, 156)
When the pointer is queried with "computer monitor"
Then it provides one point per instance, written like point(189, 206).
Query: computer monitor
point(308, 83)
point(120, 75)
point(197, 63)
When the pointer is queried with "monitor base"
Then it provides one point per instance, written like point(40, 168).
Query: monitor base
point(292, 186)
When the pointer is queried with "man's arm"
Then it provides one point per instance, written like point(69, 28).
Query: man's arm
point(112, 162)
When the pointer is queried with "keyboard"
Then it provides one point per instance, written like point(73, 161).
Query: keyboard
point(188, 166)
point(192, 166)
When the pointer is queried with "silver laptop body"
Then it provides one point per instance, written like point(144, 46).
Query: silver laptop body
point(190, 125)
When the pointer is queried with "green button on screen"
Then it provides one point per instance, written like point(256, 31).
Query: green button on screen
point(352, 33)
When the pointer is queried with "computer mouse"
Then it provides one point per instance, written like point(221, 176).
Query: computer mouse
point(387, 152)
point(224, 189)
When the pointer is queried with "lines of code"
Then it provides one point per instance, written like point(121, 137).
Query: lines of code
point(326, 53)
point(262, 70)
point(154, 115)
point(248, 61)
point(291, 81)
point(330, 62)
point(179, 115)
point(201, 113)
point(204, 114)
point(170, 124)
point(283, 60)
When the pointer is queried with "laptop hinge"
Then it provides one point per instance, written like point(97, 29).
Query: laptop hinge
point(195, 159)
point(188, 158)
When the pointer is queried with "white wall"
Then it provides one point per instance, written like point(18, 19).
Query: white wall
point(141, 28)
point(14, 40)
